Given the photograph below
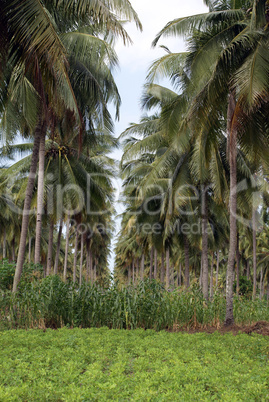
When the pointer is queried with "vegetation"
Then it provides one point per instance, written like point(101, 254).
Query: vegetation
point(192, 252)
point(56, 82)
point(194, 170)
point(52, 303)
point(196, 190)
point(141, 365)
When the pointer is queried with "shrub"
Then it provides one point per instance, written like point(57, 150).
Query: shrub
point(31, 272)
point(245, 286)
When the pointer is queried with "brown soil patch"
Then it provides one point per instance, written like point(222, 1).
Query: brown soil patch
point(260, 327)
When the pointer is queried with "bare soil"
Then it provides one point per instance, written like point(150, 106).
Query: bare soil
point(260, 327)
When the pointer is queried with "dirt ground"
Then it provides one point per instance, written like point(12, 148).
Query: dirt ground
point(260, 327)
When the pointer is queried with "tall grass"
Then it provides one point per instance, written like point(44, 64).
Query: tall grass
point(52, 303)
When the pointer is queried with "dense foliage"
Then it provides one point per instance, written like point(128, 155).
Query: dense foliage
point(56, 81)
point(102, 364)
point(53, 303)
point(192, 251)
point(195, 171)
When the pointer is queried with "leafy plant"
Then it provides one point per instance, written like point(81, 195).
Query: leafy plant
point(31, 272)
point(245, 286)
point(102, 364)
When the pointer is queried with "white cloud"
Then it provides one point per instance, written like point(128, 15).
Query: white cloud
point(154, 14)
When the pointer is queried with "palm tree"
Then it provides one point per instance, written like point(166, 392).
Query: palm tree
point(48, 50)
point(65, 170)
point(90, 60)
point(228, 54)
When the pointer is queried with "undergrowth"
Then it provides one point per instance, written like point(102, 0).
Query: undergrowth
point(51, 303)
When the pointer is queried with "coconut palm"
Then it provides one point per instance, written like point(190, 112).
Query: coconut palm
point(36, 21)
point(67, 170)
point(227, 62)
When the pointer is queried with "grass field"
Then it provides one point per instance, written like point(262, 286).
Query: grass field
point(102, 364)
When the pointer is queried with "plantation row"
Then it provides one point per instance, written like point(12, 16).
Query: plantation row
point(195, 165)
point(187, 213)
point(132, 365)
point(53, 303)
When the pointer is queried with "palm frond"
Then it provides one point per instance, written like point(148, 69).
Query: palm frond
point(186, 25)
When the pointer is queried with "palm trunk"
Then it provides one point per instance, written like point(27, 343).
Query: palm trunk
point(248, 269)
point(81, 260)
point(167, 269)
point(172, 277)
point(87, 261)
point(217, 270)
point(40, 197)
point(13, 250)
point(204, 244)
point(155, 263)
point(66, 247)
point(187, 262)
point(201, 273)
point(5, 244)
point(129, 274)
point(50, 247)
point(75, 257)
point(261, 284)
point(151, 263)
point(95, 270)
point(26, 208)
point(56, 264)
point(179, 275)
point(30, 249)
point(142, 266)
point(254, 253)
point(162, 269)
point(91, 267)
point(237, 266)
point(211, 277)
point(232, 136)
point(137, 269)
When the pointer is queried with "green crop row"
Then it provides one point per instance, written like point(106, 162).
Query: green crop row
point(102, 365)
point(52, 303)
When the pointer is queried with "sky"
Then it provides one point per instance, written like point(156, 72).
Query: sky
point(135, 59)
